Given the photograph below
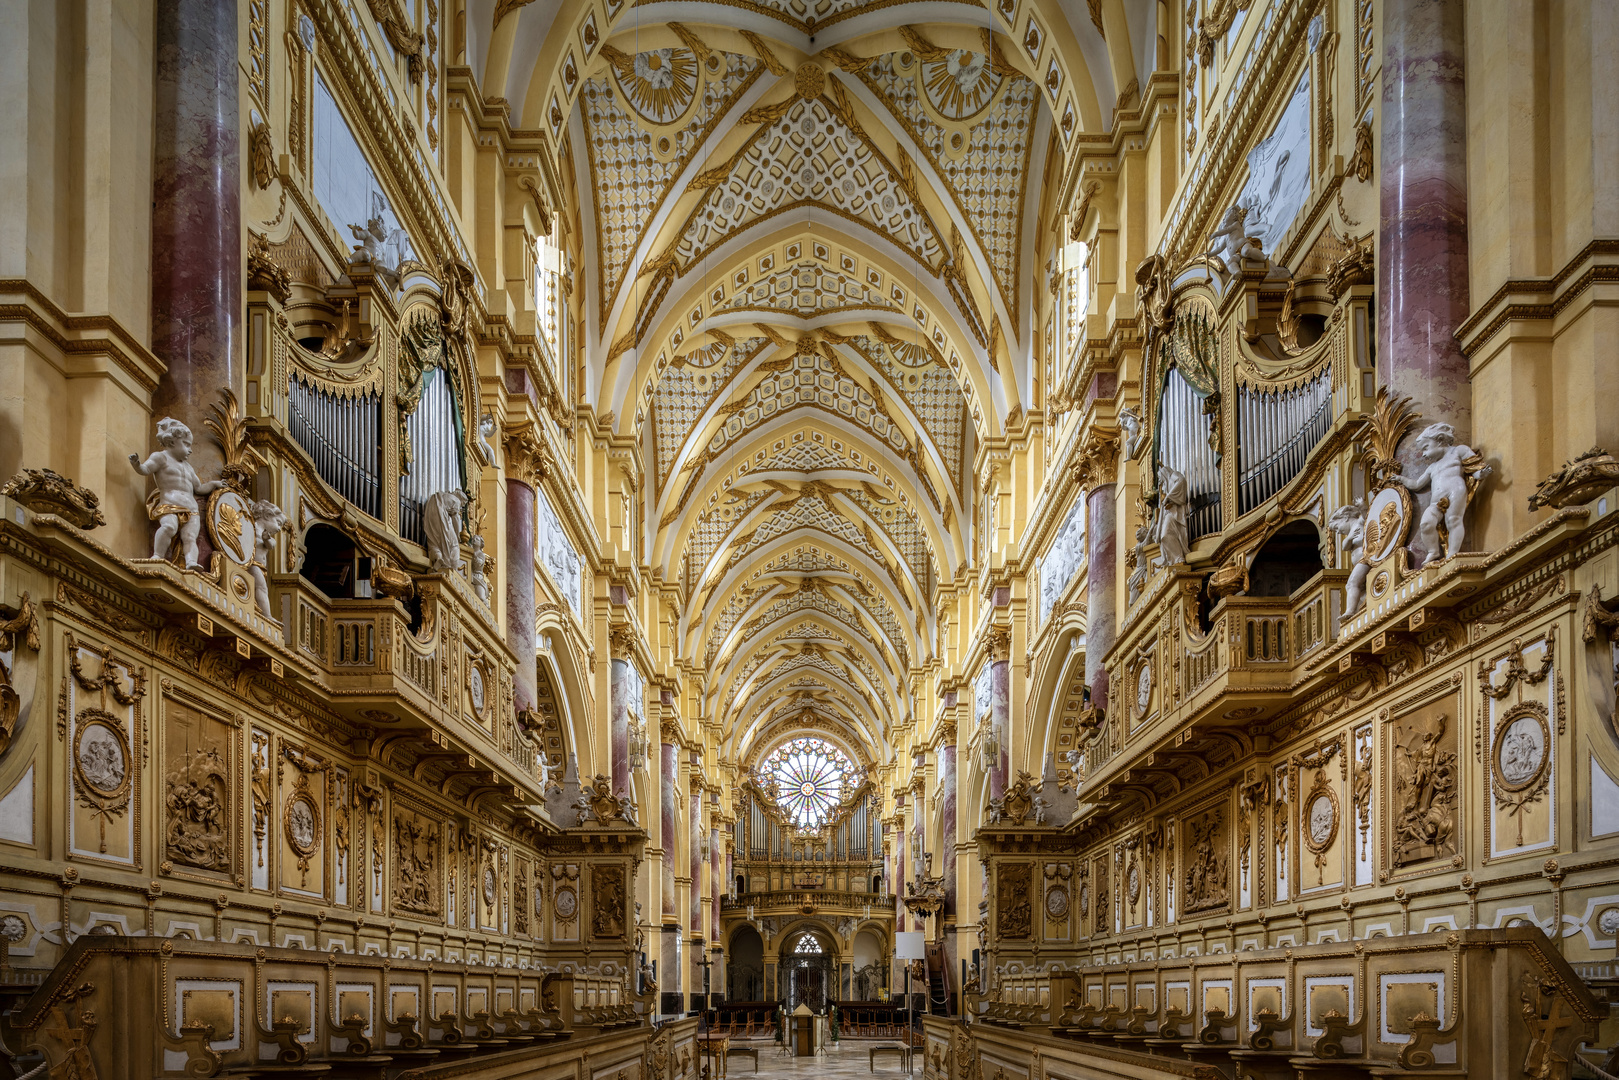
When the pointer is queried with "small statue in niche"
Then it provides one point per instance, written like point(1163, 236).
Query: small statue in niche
point(1350, 523)
point(441, 521)
point(1454, 472)
point(1173, 505)
point(480, 582)
point(173, 502)
point(268, 522)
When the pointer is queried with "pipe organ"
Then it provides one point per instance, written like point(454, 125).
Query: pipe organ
point(1276, 430)
point(433, 433)
point(343, 436)
point(1186, 443)
point(763, 836)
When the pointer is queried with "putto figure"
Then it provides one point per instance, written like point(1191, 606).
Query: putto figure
point(1349, 521)
point(1454, 472)
point(173, 503)
point(268, 522)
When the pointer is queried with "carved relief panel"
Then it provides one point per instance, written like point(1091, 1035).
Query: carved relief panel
point(489, 884)
point(1206, 861)
point(201, 811)
point(609, 903)
point(1013, 895)
point(1522, 717)
point(1057, 901)
point(99, 720)
point(565, 902)
point(418, 863)
point(1320, 776)
point(1419, 822)
point(261, 785)
point(300, 826)
point(1102, 896)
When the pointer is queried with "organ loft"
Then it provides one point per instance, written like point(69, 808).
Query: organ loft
point(996, 539)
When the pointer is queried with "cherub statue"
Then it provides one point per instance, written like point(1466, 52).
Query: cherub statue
point(582, 804)
point(441, 522)
point(1041, 805)
point(480, 583)
point(1130, 421)
point(1350, 523)
point(1454, 472)
point(268, 521)
point(1174, 501)
point(1225, 244)
point(173, 503)
point(379, 247)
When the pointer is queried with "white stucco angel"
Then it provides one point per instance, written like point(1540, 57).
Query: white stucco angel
point(268, 522)
point(173, 503)
point(1130, 422)
point(1225, 243)
point(480, 579)
point(1454, 472)
point(1350, 523)
point(441, 522)
point(381, 247)
point(1174, 504)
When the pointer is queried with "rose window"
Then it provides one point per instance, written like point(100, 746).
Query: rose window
point(811, 777)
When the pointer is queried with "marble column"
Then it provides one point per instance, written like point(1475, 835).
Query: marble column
point(1000, 702)
point(900, 844)
point(697, 858)
point(1101, 554)
point(521, 622)
point(1422, 287)
point(669, 778)
point(947, 814)
point(714, 890)
point(197, 262)
point(621, 686)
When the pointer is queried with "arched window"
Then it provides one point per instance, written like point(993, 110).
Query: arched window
point(811, 777)
point(808, 945)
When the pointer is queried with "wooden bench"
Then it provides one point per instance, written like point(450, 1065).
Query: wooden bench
point(904, 1053)
point(751, 1051)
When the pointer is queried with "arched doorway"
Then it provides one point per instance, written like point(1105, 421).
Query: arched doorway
point(809, 965)
point(745, 974)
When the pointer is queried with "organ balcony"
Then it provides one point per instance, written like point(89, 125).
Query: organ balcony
point(806, 902)
point(1192, 688)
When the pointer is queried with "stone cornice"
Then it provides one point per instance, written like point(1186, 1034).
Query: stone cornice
point(1528, 299)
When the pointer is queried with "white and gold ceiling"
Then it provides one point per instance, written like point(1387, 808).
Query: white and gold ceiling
point(809, 231)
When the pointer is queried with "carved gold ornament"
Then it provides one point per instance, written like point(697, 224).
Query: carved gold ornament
point(1520, 760)
point(45, 491)
point(1388, 523)
point(300, 822)
point(1578, 481)
point(101, 766)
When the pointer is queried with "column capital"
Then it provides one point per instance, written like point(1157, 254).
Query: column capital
point(1097, 459)
point(528, 459)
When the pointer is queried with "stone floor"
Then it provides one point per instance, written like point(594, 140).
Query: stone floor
point(848, 1060)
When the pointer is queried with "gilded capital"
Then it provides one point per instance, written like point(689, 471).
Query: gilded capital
point(527, 458)
point(1096, 462)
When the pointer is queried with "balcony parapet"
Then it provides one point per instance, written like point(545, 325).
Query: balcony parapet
point(768, 903)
